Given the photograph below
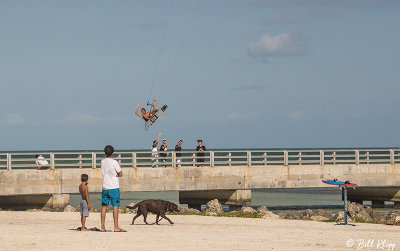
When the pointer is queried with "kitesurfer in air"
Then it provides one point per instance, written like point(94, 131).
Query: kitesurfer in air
point(144, 114)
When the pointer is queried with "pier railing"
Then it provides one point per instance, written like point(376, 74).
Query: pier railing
point(139, 159)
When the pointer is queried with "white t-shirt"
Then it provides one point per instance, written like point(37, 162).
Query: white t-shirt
point(109, 169)
point(154, 153)
point(41, 161)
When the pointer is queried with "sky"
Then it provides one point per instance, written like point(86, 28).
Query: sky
point(237, 73)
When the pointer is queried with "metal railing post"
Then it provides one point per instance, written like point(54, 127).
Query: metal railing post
point(285, 158)
point(357, 156)
point(392, 156)
point(265, 158)
point(194, 159)
point(8, 161)
point(299, 159)
point(334, 158)
point(230, 159)
point(52, 161)
point(80, 160)
point(321, 157)
point(248, 158)
point(173, 159)
point(119, 158)
point(134, 159)
point(94, 160)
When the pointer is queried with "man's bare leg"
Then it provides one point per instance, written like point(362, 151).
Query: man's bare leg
point(103, 218)
point(115, 215)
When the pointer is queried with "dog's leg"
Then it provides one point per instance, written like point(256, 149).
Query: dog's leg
point(145, 217)
point(157, 219)
point(165, 217)
point(134, 218)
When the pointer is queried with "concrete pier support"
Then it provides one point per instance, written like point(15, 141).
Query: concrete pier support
point(377, 194)
point(55, 202)
point(59, 201)
point(378, 204)
point(235, 198)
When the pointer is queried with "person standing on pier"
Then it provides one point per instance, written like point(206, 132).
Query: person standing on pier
point(200, 149)
point(154, 152)
point(163, 149)
point(178, 149)
point(111, 171)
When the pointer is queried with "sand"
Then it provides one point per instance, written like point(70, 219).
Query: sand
point(51, 231)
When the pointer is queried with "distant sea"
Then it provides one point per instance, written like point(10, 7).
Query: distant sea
point(276, 199)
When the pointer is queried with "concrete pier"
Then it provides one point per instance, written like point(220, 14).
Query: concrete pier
point(233, 198)
point(55, 202)
point(378, 195)
point(230, 184)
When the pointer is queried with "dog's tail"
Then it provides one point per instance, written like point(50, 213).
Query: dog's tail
point(135, 206)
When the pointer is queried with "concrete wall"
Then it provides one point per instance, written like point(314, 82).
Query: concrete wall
point(66, 181)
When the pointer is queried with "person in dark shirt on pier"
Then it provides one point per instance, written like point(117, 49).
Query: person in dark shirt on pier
point(178, 149)
point(163, 148)
point(200, 149)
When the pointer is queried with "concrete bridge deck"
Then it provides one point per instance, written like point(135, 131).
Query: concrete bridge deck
point(190, 181)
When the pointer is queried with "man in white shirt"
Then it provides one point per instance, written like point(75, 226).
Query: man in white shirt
point(111, 170)
point(41, 163)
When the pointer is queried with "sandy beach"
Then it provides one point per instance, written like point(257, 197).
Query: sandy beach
point(52, 231)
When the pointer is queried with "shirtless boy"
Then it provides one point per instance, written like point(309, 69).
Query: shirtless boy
point(85, 203)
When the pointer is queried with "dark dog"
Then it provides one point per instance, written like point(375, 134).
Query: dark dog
point(158, 207)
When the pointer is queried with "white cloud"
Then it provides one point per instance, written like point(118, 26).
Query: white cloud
point(297, 115)
point(238, 115)
point(284, 44)
point(13, 119)
point(76, 118)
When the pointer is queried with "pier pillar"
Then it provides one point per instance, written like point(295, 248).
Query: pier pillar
point(378, 204)
point(59, 201)
point(55, 202)
point(195, 199)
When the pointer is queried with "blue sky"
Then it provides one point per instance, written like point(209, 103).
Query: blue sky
point(238, 73)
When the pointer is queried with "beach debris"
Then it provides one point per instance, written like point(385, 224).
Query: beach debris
point(324, 213)
point(392, 218)
point(248, 210)
point(308, 214)
point(318, 218)
point(265, 213)
point(186, 210)
point(211, 214)
point(214, 206)
point(69, 208)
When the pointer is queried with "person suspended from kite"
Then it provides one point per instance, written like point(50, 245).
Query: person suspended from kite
point(150, 116)
point(144, 114)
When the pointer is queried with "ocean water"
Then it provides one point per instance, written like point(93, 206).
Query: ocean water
point(275, 199)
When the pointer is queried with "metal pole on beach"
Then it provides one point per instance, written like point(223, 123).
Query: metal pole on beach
point(344, 188)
